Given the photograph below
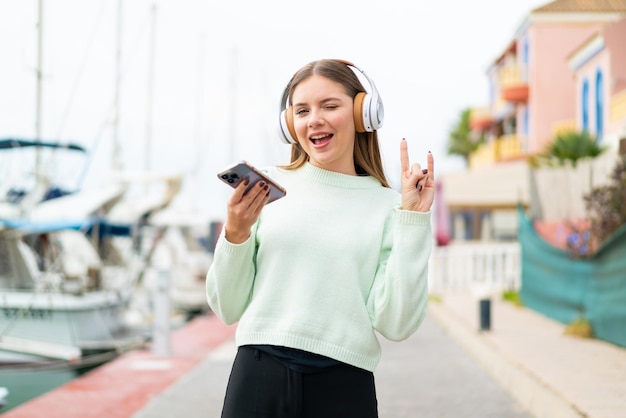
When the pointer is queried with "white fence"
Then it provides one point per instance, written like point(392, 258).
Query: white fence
point(475, 266)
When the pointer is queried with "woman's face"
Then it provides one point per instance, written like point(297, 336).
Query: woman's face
point(324, 123)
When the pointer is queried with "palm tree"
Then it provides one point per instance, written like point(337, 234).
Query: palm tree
point(461, 139)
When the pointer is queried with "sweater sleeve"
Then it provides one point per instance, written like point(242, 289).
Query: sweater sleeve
point(230, 278)
point(398, 299)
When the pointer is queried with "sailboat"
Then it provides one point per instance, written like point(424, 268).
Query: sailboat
point(65, 293)
point(58, 299)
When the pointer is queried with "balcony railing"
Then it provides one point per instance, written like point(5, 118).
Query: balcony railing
point(514, 82)
point(508, 147)
point(505, 148)
point(513, 74)
point(480, 118)
point(484, 155)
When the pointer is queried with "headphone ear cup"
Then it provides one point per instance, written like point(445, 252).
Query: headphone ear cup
point(370, 112)
point(287, 130)
point(359, 100)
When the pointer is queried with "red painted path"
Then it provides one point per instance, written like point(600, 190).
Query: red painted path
point(125, 385)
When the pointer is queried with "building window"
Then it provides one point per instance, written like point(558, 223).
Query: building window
point(525, 59)
point(585, 105)
point(599, 106)
point(526, 121)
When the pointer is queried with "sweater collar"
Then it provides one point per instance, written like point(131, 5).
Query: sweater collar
point(333, 178)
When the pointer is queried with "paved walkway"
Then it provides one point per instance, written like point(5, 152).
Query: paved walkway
point(427, 376)
point(523, 367)
point(551, 374)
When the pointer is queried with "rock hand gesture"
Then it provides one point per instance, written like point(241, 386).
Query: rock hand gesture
point(418, 185)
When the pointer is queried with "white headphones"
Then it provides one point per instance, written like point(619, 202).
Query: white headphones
point(368, 109)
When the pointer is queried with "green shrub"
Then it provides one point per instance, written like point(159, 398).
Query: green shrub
point(568, 147)
point(579, 328)
point(512, 296)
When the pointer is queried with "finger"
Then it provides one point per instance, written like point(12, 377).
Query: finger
point(260, 199)
point(404, 156)
point(431, 165)
point(257, 190)
point(239, 191)
point(416, 170)
point(419, 175)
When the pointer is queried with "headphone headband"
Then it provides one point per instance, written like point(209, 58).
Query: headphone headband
point(368, 108)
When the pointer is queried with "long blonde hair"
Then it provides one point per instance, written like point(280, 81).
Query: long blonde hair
point(367, 159)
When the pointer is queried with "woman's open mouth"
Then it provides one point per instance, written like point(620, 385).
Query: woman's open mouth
point(321, 140)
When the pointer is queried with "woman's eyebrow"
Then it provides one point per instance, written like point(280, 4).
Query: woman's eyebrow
point(328, 99)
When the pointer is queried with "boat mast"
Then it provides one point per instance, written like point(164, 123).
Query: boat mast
point(197, 145)
point(39, 74)
point(150, 98)
point(233, 102)
point(116, 163)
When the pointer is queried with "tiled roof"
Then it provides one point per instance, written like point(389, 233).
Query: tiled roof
point(583, 6)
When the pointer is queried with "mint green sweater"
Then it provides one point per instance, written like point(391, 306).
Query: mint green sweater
point(326, 268)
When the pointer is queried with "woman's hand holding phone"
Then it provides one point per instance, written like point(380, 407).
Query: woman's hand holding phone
point(253, 190)
point(244, 210)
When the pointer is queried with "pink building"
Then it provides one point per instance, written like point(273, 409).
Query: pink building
point(532, 85)
point(599, 67)
point(537, 88)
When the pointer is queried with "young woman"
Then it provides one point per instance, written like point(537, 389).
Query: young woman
point(312, 278)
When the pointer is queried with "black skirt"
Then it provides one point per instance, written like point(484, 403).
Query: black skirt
point(263, 386)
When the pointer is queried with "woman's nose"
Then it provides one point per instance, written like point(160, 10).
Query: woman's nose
point(315, 118)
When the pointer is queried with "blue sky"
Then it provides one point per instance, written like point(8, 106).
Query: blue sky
point(220, 68)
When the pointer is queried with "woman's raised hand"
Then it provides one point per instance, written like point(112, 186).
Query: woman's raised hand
point(418, 185)
point(244, 210)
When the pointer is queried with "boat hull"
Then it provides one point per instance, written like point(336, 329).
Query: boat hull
point(50, 325)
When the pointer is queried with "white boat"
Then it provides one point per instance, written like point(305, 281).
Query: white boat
point(58, 300)
point(164, 241)
point(186, 258)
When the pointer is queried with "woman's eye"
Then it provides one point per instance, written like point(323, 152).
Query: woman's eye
point(301, 111)
point(333, 106)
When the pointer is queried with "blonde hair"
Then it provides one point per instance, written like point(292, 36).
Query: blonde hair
point(367, 159)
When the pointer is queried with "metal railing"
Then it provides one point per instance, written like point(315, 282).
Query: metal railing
point(475, 266)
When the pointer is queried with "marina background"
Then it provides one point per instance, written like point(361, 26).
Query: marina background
point(181, 89)
point(197, 84)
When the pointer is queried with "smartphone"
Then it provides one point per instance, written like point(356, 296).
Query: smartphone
point(242, 170)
